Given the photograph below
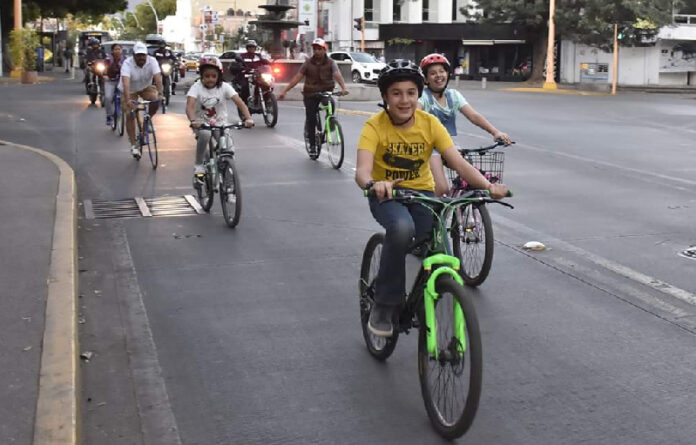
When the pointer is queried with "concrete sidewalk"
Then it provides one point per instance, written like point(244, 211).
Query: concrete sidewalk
point(38, 341)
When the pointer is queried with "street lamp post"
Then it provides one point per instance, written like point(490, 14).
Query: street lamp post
point(137, 22)
point(550, 83)
point(149, 2)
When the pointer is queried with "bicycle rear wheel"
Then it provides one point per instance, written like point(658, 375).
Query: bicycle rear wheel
point(151, 141)
point(472, 242)
point(334, 143)
point(230, 192)
point(379, 347)
point(451, 381)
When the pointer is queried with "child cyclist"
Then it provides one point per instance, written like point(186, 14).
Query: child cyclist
point(444, 103)
point(206, 102)
point(393, 151)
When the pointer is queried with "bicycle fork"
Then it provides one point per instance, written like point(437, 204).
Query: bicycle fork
point(448, 265)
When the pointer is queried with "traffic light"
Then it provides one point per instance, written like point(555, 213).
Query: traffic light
point(358, 24)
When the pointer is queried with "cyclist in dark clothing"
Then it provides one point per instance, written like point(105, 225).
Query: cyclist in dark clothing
point(163, 54)
point(250, 60)
point(320, 73)
point(94, 52)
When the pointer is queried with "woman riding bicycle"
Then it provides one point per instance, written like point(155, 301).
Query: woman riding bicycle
point(113, 75)
point(444, 103)
point(394, 149)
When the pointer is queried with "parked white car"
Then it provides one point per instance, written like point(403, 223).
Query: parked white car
point(365, 68)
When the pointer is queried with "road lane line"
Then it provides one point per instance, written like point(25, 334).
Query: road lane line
point(619, 269)
point(157, 421)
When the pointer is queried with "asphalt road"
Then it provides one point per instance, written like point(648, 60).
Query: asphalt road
point(205, 335)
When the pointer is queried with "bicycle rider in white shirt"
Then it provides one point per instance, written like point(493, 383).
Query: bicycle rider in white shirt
point(137, 75)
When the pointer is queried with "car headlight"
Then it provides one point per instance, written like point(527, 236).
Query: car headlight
point(166, 68)
point(267, 77)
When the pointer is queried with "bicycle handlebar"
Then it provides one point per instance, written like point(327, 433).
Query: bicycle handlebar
point(410, 196)
point(236, 126)
point(481, 150)
point(326, 94)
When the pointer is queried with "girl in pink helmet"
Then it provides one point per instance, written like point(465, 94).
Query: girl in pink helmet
point(444, 103)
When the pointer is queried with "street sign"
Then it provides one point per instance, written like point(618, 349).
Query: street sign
point(307, 13)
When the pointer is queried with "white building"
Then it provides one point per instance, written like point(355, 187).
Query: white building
point(671, 61)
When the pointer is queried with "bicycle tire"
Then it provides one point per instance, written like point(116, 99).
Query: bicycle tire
point(315, 155)
point(230, 192)
point(452, 416)
point(121, 121)
point(151, 141)
point(474, 244)
point(114, 116)
point(205, 191)
point(270, 117)
point(335, 143)
point(379, 347)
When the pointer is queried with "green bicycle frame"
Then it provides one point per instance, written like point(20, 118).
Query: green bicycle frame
point(329, 114)
point(445, 264)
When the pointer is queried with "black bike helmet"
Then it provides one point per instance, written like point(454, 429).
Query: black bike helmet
point(399, 70)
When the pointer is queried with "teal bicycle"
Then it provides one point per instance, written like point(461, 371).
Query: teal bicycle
point(450, 360)
point(331, 132)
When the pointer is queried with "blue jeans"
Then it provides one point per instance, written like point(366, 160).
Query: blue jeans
point(402, 223)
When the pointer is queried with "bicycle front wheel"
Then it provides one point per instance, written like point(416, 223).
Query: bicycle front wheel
point(451, 379)
point(334, 143)
point(230, 193)
point(379, 347)
point(472, 242)
point(150, 141)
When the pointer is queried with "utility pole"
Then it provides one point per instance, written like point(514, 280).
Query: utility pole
point(18, 14)
point(615, 69)
point(550, 83)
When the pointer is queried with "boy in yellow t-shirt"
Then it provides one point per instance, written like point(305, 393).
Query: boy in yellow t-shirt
point(394, 149)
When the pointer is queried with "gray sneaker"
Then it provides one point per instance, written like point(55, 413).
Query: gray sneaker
point(380, 323)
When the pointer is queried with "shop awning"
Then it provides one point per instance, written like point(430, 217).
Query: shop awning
point(491, 42)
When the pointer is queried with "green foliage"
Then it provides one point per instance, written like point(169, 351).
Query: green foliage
point(146, 16)
point(585, 21)
point(23, 44)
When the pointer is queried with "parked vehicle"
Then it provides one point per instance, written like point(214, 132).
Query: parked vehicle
point(364, 68)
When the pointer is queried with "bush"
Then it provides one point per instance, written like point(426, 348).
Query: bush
point(23, 44)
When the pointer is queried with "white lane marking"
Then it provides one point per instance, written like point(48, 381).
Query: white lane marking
point(158, 424)
point(643, 173)
point(624, 271)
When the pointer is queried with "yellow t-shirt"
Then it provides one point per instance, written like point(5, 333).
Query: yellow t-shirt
point(404, 153)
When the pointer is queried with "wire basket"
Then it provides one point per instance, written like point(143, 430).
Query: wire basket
point(489, 163)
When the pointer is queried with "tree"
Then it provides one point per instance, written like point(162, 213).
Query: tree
point(585, 21)
point(147, 18)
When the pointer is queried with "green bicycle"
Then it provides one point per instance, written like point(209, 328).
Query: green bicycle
point(332, 134)
point(450, 360)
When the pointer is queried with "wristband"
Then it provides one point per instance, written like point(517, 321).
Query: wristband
point(369, 184)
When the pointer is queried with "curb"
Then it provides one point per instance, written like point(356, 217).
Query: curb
point(56, 420)
point(557, 91)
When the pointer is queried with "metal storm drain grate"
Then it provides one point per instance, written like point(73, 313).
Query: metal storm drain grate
point(139, 207)
point(689, 253)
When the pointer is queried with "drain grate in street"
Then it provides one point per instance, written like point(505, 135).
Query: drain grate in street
point(140, 207)
point(689, 253)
